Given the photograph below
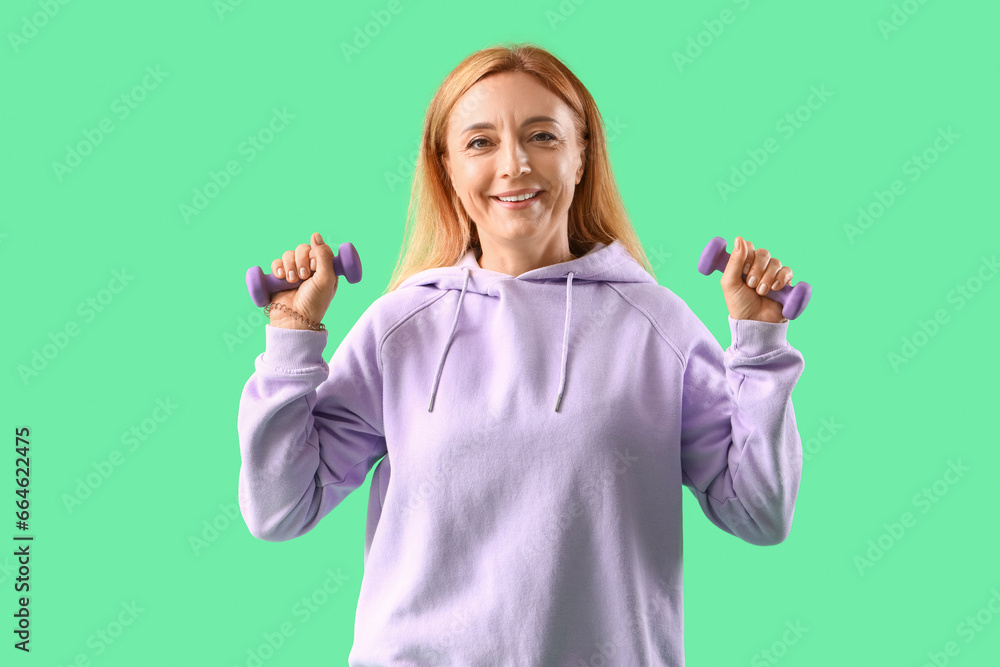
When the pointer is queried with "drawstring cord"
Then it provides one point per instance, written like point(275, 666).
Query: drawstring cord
point(454, 326)
point(565, 349)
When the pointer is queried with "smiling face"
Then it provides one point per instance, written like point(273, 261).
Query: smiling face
point(509, 134)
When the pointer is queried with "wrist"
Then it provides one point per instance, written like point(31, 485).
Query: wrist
point(780, 320)
point(287, 322)
point(283, 317)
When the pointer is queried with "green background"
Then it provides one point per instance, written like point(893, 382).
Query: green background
point(183, 329)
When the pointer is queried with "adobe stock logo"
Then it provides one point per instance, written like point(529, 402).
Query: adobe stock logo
point(137, 434)
point(696, 44)
point(108, 634)
point(787, 126)
point(968, 629)
point(60, 339)
point(122, 106)
point(914, 167)
point(779, 648)
point(214, 527)
point(304, 609)
point(923, 500)
point(245, 328)
point(901, 14)
point(827, 430)
point(362, 38)
point(223, 7)
point(562, 12)
point(250, 148)
point(926, 330)
point(38, 20)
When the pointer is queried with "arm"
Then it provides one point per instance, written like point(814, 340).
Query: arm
point(309, 433)
point(741, 454)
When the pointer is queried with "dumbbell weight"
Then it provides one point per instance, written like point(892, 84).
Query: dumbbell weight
point(793, 298)
point(262, 285)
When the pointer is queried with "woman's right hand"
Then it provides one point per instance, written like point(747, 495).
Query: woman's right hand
point(309, 295)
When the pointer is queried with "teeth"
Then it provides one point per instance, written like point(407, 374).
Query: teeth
point(518, 197)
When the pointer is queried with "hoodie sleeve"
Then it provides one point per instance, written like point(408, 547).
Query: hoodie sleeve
point(309, 433)
point(741, 454)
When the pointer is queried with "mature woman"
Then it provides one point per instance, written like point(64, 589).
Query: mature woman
point(536, 399)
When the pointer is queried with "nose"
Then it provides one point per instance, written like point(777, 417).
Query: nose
point(515, 159)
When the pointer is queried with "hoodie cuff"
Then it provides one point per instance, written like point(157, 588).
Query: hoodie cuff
point(293, 349)
point(752, 338)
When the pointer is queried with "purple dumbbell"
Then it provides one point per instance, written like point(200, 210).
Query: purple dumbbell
point(262, 286)
point(793, 298)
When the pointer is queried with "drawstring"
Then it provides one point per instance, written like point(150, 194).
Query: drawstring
point(454, 325)
point(565, 349)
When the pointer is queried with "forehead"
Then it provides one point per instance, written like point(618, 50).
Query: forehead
point(507, 93)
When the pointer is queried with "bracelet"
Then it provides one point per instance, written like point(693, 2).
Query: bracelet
point(296, 315)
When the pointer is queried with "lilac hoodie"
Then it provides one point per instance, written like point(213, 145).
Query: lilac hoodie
point(532, 436)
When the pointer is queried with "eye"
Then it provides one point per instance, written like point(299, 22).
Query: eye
point(550, 136)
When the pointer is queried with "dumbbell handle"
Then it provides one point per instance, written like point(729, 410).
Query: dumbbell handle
point(262, 285)
point(793, 298)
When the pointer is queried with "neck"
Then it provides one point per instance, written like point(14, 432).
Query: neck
point(514, 262)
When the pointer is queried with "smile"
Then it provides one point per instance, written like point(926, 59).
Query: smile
point(518, 201)
point(519, 197)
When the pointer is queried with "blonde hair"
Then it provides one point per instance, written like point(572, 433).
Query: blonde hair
point(438, 229)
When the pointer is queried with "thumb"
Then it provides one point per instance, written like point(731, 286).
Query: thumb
point(732, 276)
point(323, 255)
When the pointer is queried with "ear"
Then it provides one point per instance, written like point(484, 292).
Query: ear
point(583, 165)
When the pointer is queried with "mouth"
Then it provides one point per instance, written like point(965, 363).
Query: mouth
point(525, 200)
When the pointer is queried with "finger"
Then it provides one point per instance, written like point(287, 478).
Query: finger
point(302, 260)
point(288, 260)
point(321, 257)
point(760, 260)
point(768, 277)
point(277, 268)
point(748, 262)
point(731, 275)
point(783, 277)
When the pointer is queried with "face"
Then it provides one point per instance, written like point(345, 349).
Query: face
point(511, 147)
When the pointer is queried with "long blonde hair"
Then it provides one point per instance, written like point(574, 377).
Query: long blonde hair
point(438, 229)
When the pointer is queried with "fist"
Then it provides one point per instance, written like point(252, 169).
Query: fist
point(308, 270)
point(763, 273)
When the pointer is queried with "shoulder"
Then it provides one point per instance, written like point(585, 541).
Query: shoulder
point(374, 327)
point(668, 314)
point(392, 309)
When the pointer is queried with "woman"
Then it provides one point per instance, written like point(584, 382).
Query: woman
point(539, 398)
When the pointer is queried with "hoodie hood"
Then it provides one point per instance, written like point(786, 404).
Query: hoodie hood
point(603, 263)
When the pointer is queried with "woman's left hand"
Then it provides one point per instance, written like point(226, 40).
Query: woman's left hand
point(747, 300)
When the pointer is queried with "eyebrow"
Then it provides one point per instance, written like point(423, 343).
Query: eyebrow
point(529, 121)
